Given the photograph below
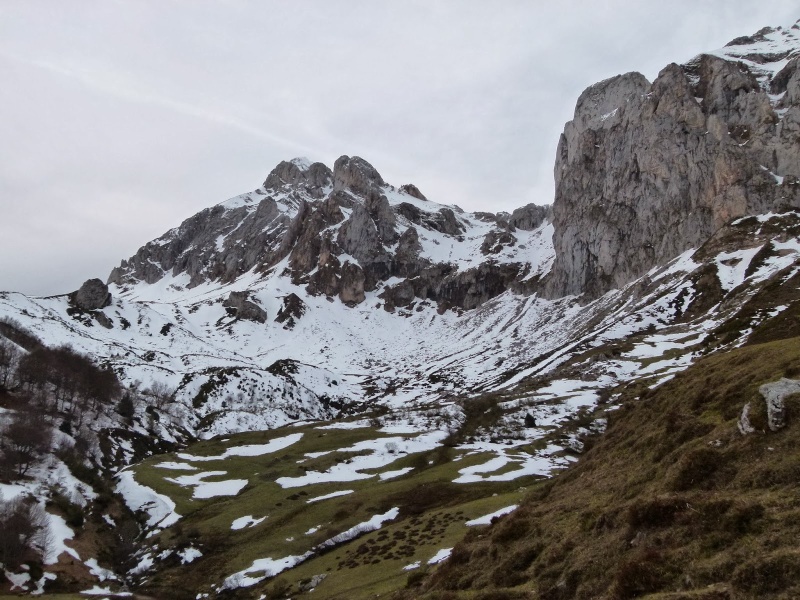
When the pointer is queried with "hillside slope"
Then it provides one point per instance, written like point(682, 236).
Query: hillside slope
point(674, 501)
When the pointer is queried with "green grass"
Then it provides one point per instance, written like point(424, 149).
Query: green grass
point(433, 511)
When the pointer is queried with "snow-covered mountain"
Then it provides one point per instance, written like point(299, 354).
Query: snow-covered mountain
point(324, 291)
point(330, 292)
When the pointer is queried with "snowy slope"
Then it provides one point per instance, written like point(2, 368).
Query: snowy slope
point(345, 358)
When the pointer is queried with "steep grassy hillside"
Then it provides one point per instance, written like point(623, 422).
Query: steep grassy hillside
point(673, 502)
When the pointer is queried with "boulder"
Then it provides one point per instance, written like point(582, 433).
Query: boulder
point(92, 295)
point(293, 308)
point(351, 292)
point(245, 309)
point(774, 395)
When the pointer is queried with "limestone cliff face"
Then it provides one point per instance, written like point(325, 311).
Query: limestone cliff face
point(647, 170)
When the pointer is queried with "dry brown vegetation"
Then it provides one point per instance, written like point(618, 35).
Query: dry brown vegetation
point(672, 503)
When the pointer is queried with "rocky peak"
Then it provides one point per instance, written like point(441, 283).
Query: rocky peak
point(300, 172)
point(343, 233)
point(645, 171)
point(356, 175)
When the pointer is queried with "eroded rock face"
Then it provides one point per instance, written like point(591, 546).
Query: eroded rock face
point(245, 308)
point(92, 295)
point(357, 175)
point(413, 191)
point(530, 217)
point(313, 178)
point(645, 171)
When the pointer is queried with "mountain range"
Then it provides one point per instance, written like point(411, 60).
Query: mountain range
point(328, 294)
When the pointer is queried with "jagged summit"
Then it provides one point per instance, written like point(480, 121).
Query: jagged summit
point(313, 177)
point(344, 233)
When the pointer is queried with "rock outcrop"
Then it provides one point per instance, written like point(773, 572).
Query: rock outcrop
point(92, 295)
point(293, 308)
point(645, 171)
point(244, 308)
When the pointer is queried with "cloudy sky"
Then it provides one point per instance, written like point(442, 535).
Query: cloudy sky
point(119, 119)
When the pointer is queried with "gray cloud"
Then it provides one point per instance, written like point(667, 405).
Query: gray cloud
point(120, 119)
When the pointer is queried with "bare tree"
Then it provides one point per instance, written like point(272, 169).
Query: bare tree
point(160, 394)
point(24, 440)
point(23, 531)
point(9, 359)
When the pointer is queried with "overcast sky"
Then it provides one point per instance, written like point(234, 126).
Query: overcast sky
point(119, 119)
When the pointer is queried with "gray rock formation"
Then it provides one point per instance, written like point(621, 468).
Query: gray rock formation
point(413, 191)
point(339, 233)
point(245, 308)
point(312, 178)
point(775, 394)
point(293, 308)
point(352, 284)
point(645, 171)
point(530, 217)
point(356, 175)
point(496, 240)
point(92, 295)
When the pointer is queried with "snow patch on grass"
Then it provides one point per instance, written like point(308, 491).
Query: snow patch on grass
point(487, 519)
point(244, 522)
point(138, 497)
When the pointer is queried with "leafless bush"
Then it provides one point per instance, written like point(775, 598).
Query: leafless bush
point(24, 533)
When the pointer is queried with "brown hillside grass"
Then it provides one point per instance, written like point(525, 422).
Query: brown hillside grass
point(672, 503)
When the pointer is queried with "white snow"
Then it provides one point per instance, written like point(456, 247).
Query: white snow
point(189, 555)
point(345, 425)
point(384, 451)
point(541, 464)
point(261, 569)
point(18, 580)
point(366, 526)
point(248, 521)
point(331, 495)
point(731, 266)
point(144, 564)
point(176, 466)
point(487, 519)
point(160, 508)
point(392, 474)
point(440, 556)
point(101, 573)
point(248, 450)
point(104, 591)
point(209, 489)
point(59, 534)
